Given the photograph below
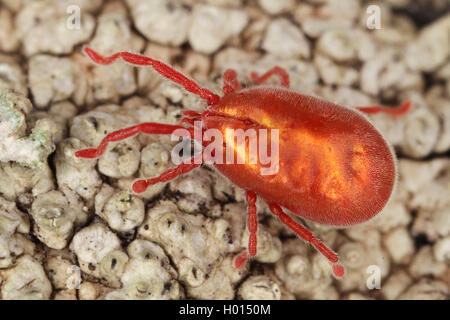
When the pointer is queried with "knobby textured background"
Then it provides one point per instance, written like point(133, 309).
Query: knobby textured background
point(70, 228)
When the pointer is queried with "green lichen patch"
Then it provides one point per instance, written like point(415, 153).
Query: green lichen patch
point(9, 114)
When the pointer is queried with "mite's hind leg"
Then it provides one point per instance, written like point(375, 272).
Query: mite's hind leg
point(278, 71)
point(307, 235)
point(230, 81)
point(404, 108)
point(252, 225)
point(146, 127)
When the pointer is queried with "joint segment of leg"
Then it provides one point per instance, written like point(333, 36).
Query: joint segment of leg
point(230, 81)
point(252, 223)
point(188, 121)
point(404, 108)
point(191, 113)
point(146, 127)
point(278, 71)
point(160, 67)
point(307, 235)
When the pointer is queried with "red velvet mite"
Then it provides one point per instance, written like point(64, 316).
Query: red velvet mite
point(334, 166)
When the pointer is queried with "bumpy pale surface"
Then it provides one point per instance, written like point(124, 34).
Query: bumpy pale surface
point(71, 229)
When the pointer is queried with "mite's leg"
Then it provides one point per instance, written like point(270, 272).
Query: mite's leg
point(252, 225)
point(160, 67)
point(230, 82)
point(191, 113)
point(190, 117)
point(146, 127)
point(306, 235)
point(188, 121)
point(404, 108)
point(280, 72)
point(141, 185)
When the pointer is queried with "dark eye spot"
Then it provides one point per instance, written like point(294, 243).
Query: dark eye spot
point(183, 228)
point(146, 227)
point(113, 263)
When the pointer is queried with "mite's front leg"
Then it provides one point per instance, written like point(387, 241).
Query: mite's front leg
point(146, 127)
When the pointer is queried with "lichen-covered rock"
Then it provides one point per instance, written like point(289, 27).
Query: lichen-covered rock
point(42, 26)
point(396, 284)
point(154, 160)
point(122, 211)
point(120, 159)
point(212, 26)
point(316, 18)
point(17, 181)
point(304, 274)
point(285, 40)
point(54, 216)
point(276, 7)
point(63, 273)
point(8, 36)
point(113, 34)
point(346, 45)
point(59, 113)
point(387, 74)
point(197, 246)
point(425, 264)
point(426, 182)
point(76, 174)
point(26, 281)
point(400, 245)
point(426, 289)
point(441, 249)
point(11, 75)
point(99, 253)
point(12, 223)
point(365, 250)
point(432, 47)
point(92, 291)
point(31, 150)
point(335, 74)
point(260, 288)
point(148, 275)
point(51, 79)
point(163, 21)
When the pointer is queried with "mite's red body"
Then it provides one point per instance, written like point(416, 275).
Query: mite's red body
point(334, 167)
